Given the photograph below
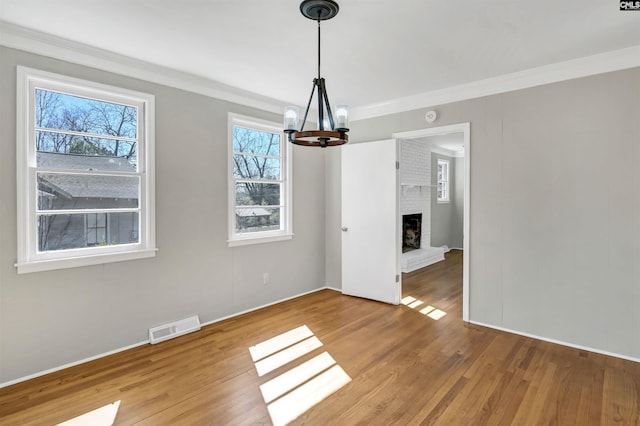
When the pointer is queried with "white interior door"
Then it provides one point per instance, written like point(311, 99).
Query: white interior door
point(370, 224)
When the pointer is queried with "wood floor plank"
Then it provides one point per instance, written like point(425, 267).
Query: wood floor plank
point(620, 394)
point(402, 367)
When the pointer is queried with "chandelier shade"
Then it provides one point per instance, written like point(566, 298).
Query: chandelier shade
point(331, 131)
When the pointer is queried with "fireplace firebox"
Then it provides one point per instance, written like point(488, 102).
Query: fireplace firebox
point(411, 230)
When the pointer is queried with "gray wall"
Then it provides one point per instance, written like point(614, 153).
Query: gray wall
point(48, 319)
point(555, 207)
point(441, 213)
point(447, 219)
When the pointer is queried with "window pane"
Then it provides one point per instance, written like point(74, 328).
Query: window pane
point(257, 194)
point(102, 220)
point(65, 112)
point(58, 150)
point(253, 167)
point(58, 191)
point(256, 141)
point(69, 231)
point(96, 228)
point(257, 219)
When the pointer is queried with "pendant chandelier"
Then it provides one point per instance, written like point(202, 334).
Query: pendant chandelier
point(331, 130)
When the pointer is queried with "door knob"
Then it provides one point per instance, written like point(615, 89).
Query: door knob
point(344, 229)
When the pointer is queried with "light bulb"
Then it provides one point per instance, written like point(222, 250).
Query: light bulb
point(325, 124)
point(342, 117)
point(291, 114)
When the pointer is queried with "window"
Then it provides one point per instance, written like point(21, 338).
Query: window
point(443, 181)
point(259, 185)
point(85, 172)
point(96, 229)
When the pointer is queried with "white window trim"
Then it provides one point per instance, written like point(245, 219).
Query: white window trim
point(446, 200)
point(29, 260)
point(267, 236)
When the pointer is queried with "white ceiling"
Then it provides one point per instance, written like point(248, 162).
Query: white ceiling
point(374, 51)
point(451, 143)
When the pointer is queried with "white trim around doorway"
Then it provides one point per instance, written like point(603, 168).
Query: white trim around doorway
point(465, 129)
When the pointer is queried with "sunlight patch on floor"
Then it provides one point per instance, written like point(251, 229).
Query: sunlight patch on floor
point(285, 356)
point(415, 304)
point(271, 346)
point(293, 378)
point(296, 402)
point(426, 310)
point(430, 311)
point(407, 300)
point(103, 416)
point(298, 389)
point(437, 314)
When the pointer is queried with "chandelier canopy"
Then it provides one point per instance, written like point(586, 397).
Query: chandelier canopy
point(331, 130)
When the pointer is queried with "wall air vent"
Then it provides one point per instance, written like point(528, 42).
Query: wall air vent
point(173, 329)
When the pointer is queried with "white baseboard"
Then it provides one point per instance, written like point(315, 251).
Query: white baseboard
point(115, 351)
point(557, 342)
point(135, 345)
point(71, 364)
point(266, 305)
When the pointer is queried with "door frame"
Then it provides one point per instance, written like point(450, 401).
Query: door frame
point(465, 129)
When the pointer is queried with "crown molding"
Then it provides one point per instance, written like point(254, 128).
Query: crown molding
point(590, 65)
point(32, 41)
point(447, 152)
point(21, 38)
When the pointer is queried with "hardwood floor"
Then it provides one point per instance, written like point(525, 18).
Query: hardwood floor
point(393, 365)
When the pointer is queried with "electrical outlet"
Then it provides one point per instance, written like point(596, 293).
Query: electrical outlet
point(266, 278)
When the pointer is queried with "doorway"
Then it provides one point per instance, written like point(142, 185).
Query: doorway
point(451, 138)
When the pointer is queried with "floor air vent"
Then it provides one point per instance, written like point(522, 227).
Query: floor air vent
point(173, 329)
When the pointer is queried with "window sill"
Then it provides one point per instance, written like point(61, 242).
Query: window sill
point(443, 202)
point(245, 241)
point(73, 262)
